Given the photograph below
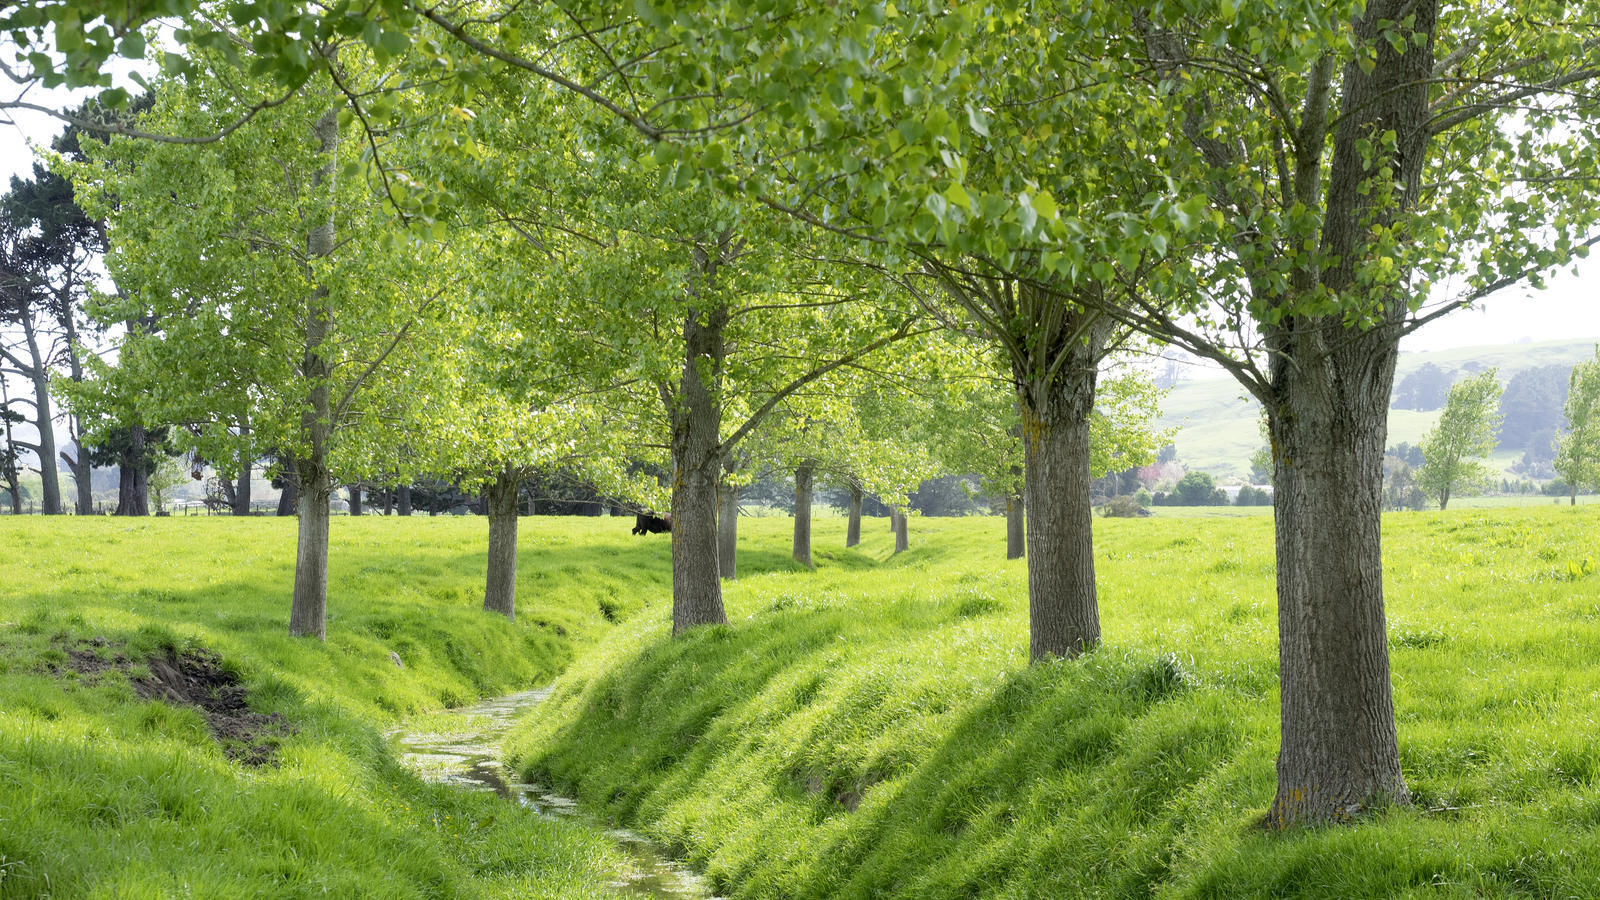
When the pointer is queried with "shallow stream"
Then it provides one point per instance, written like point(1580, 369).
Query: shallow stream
point(466, 756)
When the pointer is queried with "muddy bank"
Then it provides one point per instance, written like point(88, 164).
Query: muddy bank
point(195, 678)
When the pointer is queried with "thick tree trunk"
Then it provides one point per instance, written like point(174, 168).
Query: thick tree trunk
point(288, 500)
point(1014, 527)
point(82, 474)
point(133, 478)
point(308, 612)
point(1339, 755)
point(697, 470)
point(852, 529)
point(803, 477)
point(44, 421)
point(1063, 606)
point(403, 499)
point(902, 532)
point(355, 500)
point(500, 589)
point(728, 531)
point(241, 492)
point(387, 496)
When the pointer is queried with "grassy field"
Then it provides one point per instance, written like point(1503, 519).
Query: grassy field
point(872, 729)
point(106, 795)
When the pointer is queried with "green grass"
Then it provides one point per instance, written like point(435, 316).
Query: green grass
point(104, 795)
point(872, 729)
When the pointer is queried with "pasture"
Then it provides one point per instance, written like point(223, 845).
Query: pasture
point(867, 729)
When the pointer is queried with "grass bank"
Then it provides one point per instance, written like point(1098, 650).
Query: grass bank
point(872, 729)
point(103, 794)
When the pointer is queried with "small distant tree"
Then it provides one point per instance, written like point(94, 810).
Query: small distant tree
point(1453, 452)
point(1578, 447)
point(1199, 489)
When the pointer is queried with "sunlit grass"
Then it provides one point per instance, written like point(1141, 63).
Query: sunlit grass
point(872, 729)
point(104, 795)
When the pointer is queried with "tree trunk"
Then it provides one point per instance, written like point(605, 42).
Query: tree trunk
point(82, 474)
point(1339, 754)
point(500, 589)
point(355, 500)
point(241, 492)
point(803, 476)
point(1063, 606)
point(852, 531)
point(696, 415)
point(133, 479)
point(728, 531)
point(403, 499)
point(387, 495)
point(1014, 527)
point(307, 614)
point(288, 500)
point(902, 532)
point(44, 421)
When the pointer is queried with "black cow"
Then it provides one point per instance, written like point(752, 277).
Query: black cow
point(649, 523)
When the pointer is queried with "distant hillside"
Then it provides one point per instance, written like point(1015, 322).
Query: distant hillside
point(1219, 423)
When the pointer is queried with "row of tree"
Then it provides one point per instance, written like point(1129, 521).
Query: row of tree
point(711, 216)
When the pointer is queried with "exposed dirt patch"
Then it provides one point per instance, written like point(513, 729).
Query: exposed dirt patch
point(191, 678)
point(196, 678)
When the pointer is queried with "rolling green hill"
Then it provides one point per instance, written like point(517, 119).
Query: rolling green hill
point(1219, 423)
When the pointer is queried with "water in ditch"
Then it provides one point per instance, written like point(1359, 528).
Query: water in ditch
point(465, 757)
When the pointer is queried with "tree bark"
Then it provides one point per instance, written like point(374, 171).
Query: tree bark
point(355, 500)
point(241, 492)
point(852, 531)
point(728, 531)
point(133, 479)
point(902, 532)
point(500, 588)
point(308, 610)
point(803, 478)
point(1014, 527)
point(1063, 605)
point(82, 479)
point(307, 613)
point(403, 499)
point(1339, 754)
point(44, 421)
point(288, 500)
point(387, 496)
point(696, 416)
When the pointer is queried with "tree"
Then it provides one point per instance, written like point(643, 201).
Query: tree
point(1578, 446)
point(279, 295)
point(1452, 451)
point(1348, 166)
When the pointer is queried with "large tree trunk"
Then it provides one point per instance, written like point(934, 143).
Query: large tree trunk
point(387, 496)
point(696, 416)
point(403, 499)
point(852, 530)
point(355, 499)
point(307, 614)
point(803, 476)
point(241, 492)
point(1014, 526)
point(308, 611)
point(44, 421)
point(1327, 417)
point(728, 530)
point(288, 500)
point(82, 474)
point(500, 589)
point(133, 475)
point(1339, 754)
point(1063, 607)
point(902, 532)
